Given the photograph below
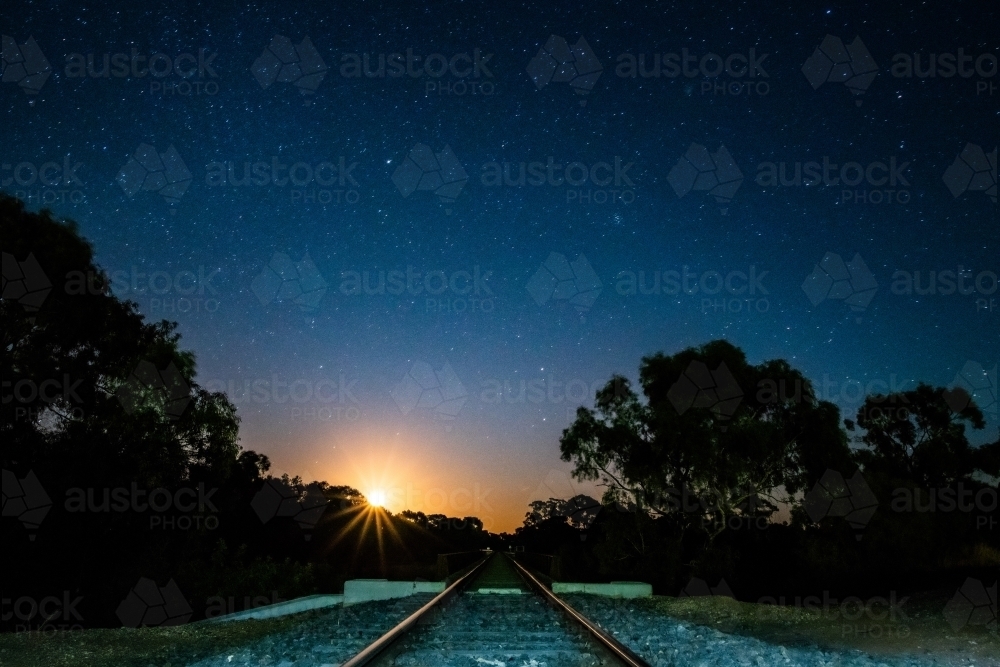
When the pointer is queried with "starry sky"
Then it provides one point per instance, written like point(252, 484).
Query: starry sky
point(246, 184)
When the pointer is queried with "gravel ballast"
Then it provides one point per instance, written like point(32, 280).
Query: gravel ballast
point(323, 638)
point(664, 641)
point(496, 630)
point(521, 630)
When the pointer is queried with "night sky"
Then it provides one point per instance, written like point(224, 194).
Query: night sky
point(420, 395)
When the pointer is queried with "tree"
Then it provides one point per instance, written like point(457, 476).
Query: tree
point(713, 437)
point(916, 457)
point(96, 398)
point(579, 511)
point(92, 390)
point(919, 435)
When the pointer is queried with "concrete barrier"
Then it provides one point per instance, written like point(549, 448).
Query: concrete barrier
point(616, 589)
point(355, 591)
point(366, 590)
point(500, 591)
point(307, 603)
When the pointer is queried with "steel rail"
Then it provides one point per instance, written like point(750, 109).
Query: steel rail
point(375, 648)
point(605, 640)
point(619, 650)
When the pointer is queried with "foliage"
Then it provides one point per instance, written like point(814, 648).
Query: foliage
point(736, 446)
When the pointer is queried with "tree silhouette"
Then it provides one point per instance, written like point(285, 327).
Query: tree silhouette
point(713, 437)
point(98, 399)
point(917, 435)
point(87, 345)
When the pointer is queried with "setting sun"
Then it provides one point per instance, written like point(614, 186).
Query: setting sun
point(376, 497)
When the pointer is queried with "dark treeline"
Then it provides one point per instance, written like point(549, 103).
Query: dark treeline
point(724, 470)
point(118, 466)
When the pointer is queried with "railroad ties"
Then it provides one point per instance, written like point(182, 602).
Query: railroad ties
point(500, 619)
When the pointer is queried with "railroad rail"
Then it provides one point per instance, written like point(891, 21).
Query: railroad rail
point(467, 621)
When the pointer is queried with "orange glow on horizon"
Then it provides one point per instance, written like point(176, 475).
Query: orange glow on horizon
point(397, 469)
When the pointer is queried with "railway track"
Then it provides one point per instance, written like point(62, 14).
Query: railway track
point(496, 615)
point(499, 615)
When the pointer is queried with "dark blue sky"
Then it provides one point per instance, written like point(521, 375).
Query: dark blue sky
point(355, 362)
